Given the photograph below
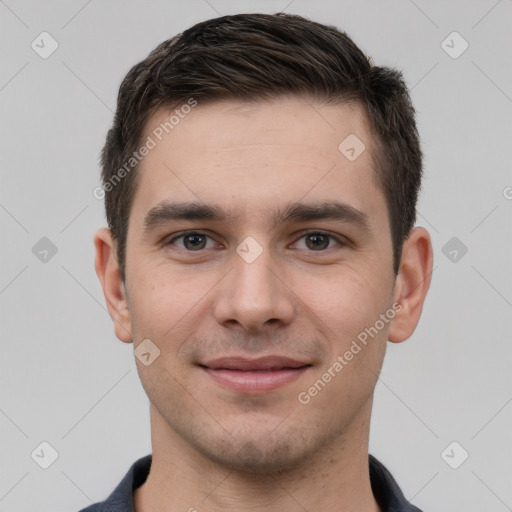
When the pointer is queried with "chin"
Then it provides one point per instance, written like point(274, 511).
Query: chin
point(254, 459)
point(256, 453)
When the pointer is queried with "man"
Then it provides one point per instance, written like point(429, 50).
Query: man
point(261, 180)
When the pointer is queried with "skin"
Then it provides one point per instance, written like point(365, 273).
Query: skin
point(214, 448)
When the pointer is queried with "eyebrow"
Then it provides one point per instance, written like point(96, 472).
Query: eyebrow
point(166, 211)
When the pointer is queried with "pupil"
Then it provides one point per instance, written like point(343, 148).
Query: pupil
point(318, 241)
point(197, 241)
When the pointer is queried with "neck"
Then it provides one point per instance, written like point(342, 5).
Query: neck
point(336, 478)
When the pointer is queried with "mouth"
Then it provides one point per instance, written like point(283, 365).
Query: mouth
point(254, 375)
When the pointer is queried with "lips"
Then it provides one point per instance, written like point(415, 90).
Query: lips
point(263, 363)
point(255, 375)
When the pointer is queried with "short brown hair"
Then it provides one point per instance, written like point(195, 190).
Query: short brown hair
point(252, 57)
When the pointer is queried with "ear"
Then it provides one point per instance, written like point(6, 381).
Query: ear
point(412, 284)
point(109, 275)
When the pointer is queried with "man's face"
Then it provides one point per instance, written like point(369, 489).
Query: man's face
point(250, 310)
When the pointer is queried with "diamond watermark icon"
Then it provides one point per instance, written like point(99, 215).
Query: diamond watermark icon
point(249, 249)
point(352, 147)
point(454, 45)
point(146, 352)
point(454, 249)
point(454, 455)
point(44, 45)
point(44, 250)
point(44, 455)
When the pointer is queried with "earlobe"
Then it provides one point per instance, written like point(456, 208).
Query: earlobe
point(412, 284)
point(107, 270)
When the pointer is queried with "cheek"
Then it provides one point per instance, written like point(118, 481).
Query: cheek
point(345, 300)
point(350, 308)
point(166, 305)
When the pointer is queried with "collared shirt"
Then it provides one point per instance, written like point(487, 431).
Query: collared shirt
point(384, 487)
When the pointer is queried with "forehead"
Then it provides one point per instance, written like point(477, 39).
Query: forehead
point(252, 156)
point(294, 123)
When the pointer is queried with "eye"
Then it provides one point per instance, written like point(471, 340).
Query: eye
point(318, 241)
point(193, 241)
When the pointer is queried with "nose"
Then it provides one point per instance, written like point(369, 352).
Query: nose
point(254, 296)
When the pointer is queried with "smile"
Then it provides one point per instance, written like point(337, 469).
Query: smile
point(256, 375)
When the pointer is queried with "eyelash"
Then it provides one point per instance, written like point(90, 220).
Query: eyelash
point(340, 240)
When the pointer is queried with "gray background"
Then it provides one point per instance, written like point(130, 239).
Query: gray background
point(65, 378)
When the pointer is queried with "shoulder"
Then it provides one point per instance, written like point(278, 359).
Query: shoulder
point(388, 494)
point(121, 499)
